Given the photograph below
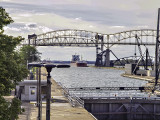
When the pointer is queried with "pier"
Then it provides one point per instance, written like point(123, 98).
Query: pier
point(136, 108)
point(117, 107)
point(62, 107)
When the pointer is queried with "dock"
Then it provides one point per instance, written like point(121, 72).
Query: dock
point(145, 78)
point(61, 109)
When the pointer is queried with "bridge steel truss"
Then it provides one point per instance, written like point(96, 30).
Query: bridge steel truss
point(102, 42)
point(83, 38)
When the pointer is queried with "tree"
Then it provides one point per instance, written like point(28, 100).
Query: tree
point(12, 69)
point(5, 19)
point(10, 110)
point(29, 54)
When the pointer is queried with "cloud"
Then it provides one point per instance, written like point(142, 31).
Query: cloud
point(25, 28)
point(12, 29)
point(51, 2)
point(31, 25)
point(78, 18)
point(117, 26)
point(6, 0)
point(103, 16)
point(25, 15)
point(45, 29)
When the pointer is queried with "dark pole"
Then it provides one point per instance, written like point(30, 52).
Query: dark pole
point(96, 45)
point(146, 58)
point(37, 88)
point(38, 65)
point(157, 52)
point(48, 94)
point(40, 101)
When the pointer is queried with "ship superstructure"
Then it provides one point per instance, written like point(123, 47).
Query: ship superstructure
point(77, 62)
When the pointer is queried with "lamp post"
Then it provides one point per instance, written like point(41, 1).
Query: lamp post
point(39, 102)
point(48, 94)
point(48, 98)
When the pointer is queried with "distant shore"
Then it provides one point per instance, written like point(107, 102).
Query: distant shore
point(115, 68)
point(145, 78)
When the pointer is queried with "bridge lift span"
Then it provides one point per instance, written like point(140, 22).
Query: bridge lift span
point(83, 38)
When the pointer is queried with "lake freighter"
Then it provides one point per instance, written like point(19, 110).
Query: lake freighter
point(77, 62)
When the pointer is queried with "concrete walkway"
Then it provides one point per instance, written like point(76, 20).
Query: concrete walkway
point(60, 107)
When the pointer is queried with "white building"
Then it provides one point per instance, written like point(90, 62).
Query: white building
point(27, 90)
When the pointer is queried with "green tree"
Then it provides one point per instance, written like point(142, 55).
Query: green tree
point(12, 69)
point(5, 19)
point(10, 110)
point(29, 54)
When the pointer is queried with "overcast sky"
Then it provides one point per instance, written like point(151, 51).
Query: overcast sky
point(103, 16)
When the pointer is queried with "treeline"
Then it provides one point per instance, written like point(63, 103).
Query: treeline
point(13, 67)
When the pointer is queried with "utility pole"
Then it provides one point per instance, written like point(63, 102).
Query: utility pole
point(157, 56)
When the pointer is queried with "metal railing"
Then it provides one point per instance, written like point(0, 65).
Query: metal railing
point(77, 97)
point(72, 98)
point(123, 98)
point(111, 88)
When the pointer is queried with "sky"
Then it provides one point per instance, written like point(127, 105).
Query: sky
point(102, 16)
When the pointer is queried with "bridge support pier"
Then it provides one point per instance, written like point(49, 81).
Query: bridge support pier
point(103, 58)
point(107, 58)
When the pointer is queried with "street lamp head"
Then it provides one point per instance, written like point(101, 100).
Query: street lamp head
point(63, 66)
point(34, 64)
point(49, 67)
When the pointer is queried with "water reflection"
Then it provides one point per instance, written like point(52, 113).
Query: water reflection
point(93, 77)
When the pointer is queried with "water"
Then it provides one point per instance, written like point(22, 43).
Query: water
point(96, 77)
point(93, 77)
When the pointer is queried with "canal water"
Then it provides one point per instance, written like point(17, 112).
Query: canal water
point(96, 77)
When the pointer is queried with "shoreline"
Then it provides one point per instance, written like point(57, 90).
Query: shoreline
point(150, 81)
point(114, 68)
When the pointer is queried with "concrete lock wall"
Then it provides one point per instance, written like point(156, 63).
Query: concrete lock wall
point(124, 109)
point(129, 68)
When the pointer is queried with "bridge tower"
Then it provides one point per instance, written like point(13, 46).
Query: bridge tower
point(33, 37)
point(102, 56)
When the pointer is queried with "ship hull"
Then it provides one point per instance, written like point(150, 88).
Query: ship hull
point(76, 62)
point(79, 64)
